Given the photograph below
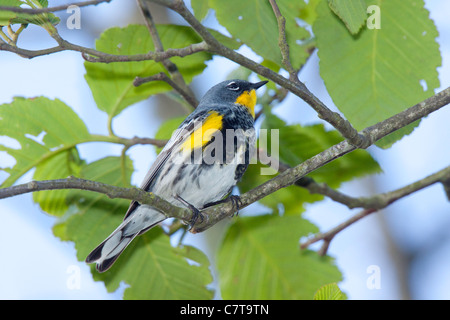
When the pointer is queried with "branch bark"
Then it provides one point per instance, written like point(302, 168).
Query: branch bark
point(282, 41)
point(214, 46)
point(52, 9)
point(111, 191)
point(93, 55)
point(296, 87)
point(290, 176)
point(177, 82)
point(374, 204)
point(373, 134)
point(214, 214)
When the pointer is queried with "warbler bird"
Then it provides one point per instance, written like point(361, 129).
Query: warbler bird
point(200, 164)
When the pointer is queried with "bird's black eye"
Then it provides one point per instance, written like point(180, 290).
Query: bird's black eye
point(233, 86)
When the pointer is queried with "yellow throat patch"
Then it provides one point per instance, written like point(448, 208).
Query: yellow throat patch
point(248, 100)
point(203, 134)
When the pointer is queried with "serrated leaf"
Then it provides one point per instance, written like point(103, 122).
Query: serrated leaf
point(37, 19)
point(289, 200)
point(59, 166)
point(299, 143)
point(94, 213)
point(329, 292)
point(151, 267)
point(352, 13)
point(380, 72)
point(254, 23)
point(164, 272)
point(44, 128)
point(296, 144)
point(112, 84)
point(260, 259)
point(8, 17)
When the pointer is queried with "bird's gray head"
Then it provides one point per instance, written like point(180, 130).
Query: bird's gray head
point(234, 91)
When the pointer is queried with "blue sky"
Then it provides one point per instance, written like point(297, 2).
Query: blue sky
point(37, 265)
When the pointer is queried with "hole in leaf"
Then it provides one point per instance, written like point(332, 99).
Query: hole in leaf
point(424, 85)
point(39, 138)
point(10, 142)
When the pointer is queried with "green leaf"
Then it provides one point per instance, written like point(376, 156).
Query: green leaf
point(296, 144)
point(151, 267)
point(231, 43)
point(379, 73)
point(289, 200)
point(200, 8)
point(308, 13)
point(112, 84)
point(43, 128)
point(329, 292)
point(156, 270)
point(61, 165)
point(254, 23)
point(299, 143)
point(43, 3)
point(260, 259)
point(8, 17)
point(352, 13)
point(92, 215)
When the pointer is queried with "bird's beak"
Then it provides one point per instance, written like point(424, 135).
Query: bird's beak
point(258, 84)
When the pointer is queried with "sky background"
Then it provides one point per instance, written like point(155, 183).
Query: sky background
point(409, 242)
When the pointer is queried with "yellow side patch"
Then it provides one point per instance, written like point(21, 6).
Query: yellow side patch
point(248, 100)
point(203, 134)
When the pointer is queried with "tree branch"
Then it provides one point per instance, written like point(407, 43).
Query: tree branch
point(93, 55)
point(163, 77)
point(212, 45)
point(282, 41)
point(288, 177)
point(178, 80)
point(296, 87)
point(374, 204)
point(112, 192)
point(52, 9)
point(213, 214)
point(291, 175)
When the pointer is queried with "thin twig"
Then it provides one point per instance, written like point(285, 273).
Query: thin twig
point(52, 9)
point(212, 45)
point(378, 201)
point(163, 77)
point(282, 41)
point(329, 235)
point(354, 139)
point(373, 204)
point(216, 213)
point(111, 191)
point(296, 87)
point(137, 140)
point(93, 55)
point(291, 175)
point(167, 63)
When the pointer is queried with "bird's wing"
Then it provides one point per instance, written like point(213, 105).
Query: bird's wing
point(179, 136)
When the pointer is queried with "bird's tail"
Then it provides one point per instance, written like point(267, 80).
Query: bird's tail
point(135, 224)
